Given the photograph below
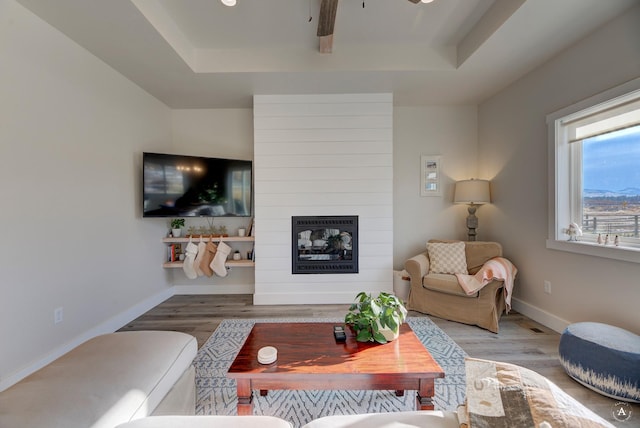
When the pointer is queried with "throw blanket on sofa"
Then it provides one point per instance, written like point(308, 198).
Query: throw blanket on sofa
point(497, 268)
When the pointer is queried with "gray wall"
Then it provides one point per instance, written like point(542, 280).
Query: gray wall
point(71, 135)
point(512, 148)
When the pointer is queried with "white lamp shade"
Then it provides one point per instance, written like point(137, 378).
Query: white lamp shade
point(472, 192)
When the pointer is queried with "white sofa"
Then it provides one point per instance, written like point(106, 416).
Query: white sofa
point(498, 394)
point(431, 419)
point(108, 380)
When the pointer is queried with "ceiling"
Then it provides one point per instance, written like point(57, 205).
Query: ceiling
point(202, 54)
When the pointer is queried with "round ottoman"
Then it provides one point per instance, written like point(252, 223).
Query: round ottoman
point(603, 358)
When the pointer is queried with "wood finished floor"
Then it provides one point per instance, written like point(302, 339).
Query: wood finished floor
point(520, 341)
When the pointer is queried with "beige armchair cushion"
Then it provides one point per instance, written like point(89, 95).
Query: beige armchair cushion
point(445, 283)
point(447, 257)
point(479, 252)
point(476, 252)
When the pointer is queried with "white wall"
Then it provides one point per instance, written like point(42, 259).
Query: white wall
point(513, 153)
point(322, 155)
point(71, 134)
point(224, 133)
point(449, 131)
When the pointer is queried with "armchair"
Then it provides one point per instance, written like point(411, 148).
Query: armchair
point(442, 296)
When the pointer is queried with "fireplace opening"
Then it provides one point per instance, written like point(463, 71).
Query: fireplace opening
point(324, 244)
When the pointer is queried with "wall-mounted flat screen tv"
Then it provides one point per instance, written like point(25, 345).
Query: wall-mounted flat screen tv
point(192, 186)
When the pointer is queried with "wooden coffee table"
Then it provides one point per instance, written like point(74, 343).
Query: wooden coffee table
point(309, 358)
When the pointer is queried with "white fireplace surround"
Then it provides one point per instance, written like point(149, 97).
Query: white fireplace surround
point(322, 155)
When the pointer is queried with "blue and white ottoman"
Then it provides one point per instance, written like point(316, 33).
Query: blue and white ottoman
point(603, 358)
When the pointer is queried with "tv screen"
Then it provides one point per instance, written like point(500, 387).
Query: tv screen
point(191, 186)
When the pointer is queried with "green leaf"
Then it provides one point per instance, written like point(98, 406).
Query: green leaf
point(364, 336)
point(375, 307)
point(379, 337)
point(392, 324)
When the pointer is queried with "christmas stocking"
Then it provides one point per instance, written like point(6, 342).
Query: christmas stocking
point(189, 259)
point(218, 263)
point(207, 258)
point(202, 247)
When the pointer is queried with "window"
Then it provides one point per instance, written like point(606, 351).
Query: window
point(595, 146)
point(610, 204)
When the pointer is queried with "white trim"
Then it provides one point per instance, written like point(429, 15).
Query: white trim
point(627, 254)
point(305, 298)
point(607, 95)
point(213, 289)
point(540, 315)
point(109, 326)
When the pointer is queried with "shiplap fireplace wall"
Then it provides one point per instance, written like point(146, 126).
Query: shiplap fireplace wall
point(322, 155)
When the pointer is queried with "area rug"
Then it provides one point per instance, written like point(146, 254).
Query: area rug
point(216, 394)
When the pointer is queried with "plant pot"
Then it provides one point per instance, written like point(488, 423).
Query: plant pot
point(176, 232)
point(389, 334)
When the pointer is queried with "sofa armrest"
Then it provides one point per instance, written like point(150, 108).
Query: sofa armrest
point(417, 267)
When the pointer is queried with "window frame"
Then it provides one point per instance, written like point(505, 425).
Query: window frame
point(565, 178)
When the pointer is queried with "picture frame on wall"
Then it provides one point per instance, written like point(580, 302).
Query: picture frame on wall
point(430, 172)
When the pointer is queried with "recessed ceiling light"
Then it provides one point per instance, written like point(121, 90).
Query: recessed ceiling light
point(228, 2)
point(426, 1)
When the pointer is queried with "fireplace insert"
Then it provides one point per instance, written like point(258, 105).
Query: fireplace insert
point(324, 244)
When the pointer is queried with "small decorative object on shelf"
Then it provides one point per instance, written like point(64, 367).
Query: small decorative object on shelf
point(176, 227)
point(599, 238)
point(236, 255)
point(376, 319)
point(606, 239)
point(574, 231)
point(174, 253)
point(616, 241)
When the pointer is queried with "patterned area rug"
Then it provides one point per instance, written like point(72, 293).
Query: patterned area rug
point(216, 394)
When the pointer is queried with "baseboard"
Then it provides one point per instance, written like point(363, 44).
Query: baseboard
point(303, 299)
point(108, 326)
point(213, 289)
point(540, 315)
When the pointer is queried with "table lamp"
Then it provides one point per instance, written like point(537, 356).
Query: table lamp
point(472, 192)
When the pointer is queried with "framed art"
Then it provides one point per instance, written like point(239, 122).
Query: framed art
point(430, 175)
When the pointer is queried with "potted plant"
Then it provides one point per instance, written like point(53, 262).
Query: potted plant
point(376, 319)
point(176, 227)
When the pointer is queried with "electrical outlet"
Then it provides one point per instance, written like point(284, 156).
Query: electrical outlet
point(547, 287)
point(58, 313)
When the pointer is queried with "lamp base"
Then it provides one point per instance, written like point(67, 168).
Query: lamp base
point(472, 222)
point(471, 235)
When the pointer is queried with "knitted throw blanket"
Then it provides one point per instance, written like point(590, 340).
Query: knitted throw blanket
point(498, 268)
